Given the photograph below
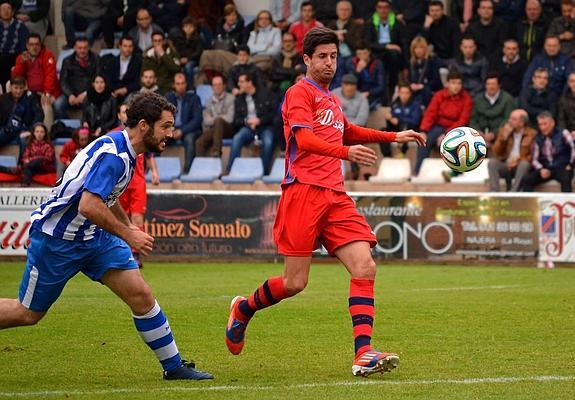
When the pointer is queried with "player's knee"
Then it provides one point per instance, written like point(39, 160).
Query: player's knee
point(365, 269)
point(27, 317)
point(142, 300)
point(294, 285)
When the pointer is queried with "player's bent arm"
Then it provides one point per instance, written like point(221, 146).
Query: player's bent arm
point(93, 208)
point(119, 213)
point(307, 141)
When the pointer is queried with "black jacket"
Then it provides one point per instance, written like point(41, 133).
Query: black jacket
point(397, 33)
point(510, 75)
point(73, 78)
point(445, 36)
point(566, 111)
point(266, 107)
point(535, 102)
point(100, 115)
point(190, 48)
point(489, 38)
point(131, 79)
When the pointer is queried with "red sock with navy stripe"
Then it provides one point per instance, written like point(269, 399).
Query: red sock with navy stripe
point(362, 312)
point(271, 292)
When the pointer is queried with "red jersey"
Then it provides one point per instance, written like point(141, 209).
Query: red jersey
point(308, 105)
point(298, 29)
point(139, 177)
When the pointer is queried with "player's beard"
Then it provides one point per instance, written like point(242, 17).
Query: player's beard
point(325, 77)
point(152, 143)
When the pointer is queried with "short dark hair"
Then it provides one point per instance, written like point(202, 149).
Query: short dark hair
point(147, 106)
point(305, 4)
point(552, 37)
point(317, 37)
point(81, 39)
point(244, 47)
point(18, 80)
point(126, 37)
point(404, 85)
point(362, 45)
point(454, 74)
point(34, 36)
point(248, 76)
point(189, 20)
point(492, 75)
point(438, 3)
point(158, 33)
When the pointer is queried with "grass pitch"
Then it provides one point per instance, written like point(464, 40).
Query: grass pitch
point(461, 333)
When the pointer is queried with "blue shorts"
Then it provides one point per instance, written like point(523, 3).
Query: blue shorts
point(52, 262)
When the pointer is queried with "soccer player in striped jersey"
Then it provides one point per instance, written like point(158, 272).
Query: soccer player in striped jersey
point(82, 228)
point(314, 207)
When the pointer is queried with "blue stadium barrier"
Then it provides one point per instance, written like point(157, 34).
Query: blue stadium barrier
point(114, 52)
point(204, 92)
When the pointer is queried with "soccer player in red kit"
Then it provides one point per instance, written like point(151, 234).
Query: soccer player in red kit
point(314, 208)
point(134, 199)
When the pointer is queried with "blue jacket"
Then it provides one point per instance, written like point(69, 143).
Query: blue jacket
point(563, 150)
point(371, 79)
point(409, 115)
point(191, 109)
point(559, 68)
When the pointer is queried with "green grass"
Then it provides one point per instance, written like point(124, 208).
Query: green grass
point(448, 324)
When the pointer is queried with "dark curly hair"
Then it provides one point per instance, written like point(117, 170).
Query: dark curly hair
point(147, 107)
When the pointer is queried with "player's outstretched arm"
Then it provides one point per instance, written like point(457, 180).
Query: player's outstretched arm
point(93, 207)
point(358, 134)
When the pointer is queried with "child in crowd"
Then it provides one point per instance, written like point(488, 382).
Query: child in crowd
point(405, 114)
point(80, 139)
point(39, 156)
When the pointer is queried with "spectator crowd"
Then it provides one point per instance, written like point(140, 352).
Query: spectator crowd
point(505, 68)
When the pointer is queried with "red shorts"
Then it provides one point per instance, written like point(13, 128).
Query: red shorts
point(134, 200)
point(311, 215)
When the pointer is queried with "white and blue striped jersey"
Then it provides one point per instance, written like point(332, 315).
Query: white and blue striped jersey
point(104, 168)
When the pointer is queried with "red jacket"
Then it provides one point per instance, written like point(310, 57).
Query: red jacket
point(46, 63)
point(447, 111)
point(39, 150)
point(69, 151)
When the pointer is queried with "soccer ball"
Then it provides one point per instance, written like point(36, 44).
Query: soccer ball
point(463, 149)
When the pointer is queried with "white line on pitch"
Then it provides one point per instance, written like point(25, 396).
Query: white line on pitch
point(454, 289)
point(226, 388)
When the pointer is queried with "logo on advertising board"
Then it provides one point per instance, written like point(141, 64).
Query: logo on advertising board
point(557, 230)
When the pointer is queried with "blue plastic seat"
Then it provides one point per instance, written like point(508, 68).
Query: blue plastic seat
point(245, 170)
point(226, 142)
point(63, 54)
point(203, 169)
point(61, 141)
point(8, 161)
point(277, 173)
point(72, 123)
point(169, 168)
point(204, 92)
